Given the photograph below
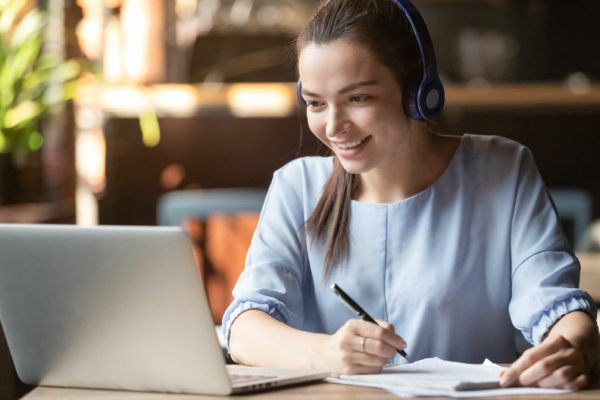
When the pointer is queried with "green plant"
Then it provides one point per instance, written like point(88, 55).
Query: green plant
point(32, 81)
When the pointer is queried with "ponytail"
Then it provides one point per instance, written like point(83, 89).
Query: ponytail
point(329, 220)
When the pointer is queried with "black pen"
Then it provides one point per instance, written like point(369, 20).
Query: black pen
point(362, 314)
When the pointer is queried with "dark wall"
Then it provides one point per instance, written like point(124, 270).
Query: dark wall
point(515, 40)
point(216, 152)
point(527, 40)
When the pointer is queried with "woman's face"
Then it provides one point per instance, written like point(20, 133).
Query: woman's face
point(354, 104)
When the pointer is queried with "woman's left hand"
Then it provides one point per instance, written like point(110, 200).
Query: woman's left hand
point(554, 363)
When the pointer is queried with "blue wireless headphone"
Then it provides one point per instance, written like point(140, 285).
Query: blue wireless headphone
point(424, 94)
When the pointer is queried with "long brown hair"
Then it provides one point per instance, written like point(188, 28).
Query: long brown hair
point(381, 26)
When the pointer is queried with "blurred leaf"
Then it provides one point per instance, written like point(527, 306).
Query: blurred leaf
point(16, 68)
point(23, 59)
point(32, 81)
point(47, 61)
point(7, 96)
point(150, 128)
point(22, 113)
point(69, 89)
point(35, 141)
point(35, 80)
point(30, 26)
point(63, 83)
point(51, 69)
point(3, 143)
point(66, 71)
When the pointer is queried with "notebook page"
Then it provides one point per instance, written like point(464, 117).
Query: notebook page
point(437, 377)
point(434, 373)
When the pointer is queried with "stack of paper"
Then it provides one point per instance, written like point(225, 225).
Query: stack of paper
point(437, 377)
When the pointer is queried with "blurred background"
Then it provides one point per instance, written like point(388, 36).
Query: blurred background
point(170, 95)
point(145, 112)
point(181, 94)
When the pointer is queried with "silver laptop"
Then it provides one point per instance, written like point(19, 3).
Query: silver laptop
point(115, 308)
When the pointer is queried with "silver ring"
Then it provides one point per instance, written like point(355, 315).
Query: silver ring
point(364, 339)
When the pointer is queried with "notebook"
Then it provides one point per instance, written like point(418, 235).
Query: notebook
point(437, 377)
point(433, 374)
point(119, 308)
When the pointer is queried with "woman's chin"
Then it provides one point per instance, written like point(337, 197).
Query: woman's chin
point(353, 167)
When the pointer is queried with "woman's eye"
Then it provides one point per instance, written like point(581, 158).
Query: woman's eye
point(313, 103)
point(359, 98)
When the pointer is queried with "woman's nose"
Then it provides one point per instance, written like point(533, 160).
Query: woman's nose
point(336, 122)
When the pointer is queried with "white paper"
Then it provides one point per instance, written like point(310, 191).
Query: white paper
point(436, 377)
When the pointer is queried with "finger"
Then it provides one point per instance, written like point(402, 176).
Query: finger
point(580, 382)
point(386, 325)
point(352, 342)
point(563, 378)
point(349, 340)
point(358, 362)
point(374, 331)
point(368, 360)
point(547, 366)
point(378, 348)
point(531, 356)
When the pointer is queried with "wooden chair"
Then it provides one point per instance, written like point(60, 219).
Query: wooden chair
point(220, 223)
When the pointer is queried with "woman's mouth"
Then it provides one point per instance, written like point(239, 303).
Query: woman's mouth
point(350, 149)
point(349, 145)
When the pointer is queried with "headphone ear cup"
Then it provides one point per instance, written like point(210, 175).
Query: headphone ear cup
point(299, 94)
point(410, 98)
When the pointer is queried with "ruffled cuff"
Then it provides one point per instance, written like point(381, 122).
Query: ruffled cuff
point(547, 318)
point(235, 311)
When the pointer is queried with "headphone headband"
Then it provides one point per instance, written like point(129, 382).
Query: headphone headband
point(421, 35)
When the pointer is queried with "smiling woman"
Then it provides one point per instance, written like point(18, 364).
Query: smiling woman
point(451, 240)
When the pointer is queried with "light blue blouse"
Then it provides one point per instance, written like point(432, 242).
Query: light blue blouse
point(454, 267)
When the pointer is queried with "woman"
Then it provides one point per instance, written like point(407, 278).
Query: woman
point(452, 240)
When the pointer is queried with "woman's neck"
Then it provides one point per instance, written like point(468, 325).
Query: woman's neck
point(419, 164)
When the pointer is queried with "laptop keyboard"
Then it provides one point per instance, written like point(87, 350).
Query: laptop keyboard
point(239, 379)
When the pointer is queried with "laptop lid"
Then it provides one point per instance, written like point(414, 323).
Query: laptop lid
point(108, 307)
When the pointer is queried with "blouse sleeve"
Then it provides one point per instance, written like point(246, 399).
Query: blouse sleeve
point(545, 272)
point(273, 275)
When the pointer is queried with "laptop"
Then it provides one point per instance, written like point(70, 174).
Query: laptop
point(120, 308)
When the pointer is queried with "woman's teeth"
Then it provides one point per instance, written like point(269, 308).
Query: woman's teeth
point(349, 145)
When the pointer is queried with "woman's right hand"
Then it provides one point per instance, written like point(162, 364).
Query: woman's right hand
point(360, 347)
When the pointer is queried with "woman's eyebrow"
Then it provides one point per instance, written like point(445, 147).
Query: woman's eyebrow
point(346, 89)
point(309, 93)
point(356, 85)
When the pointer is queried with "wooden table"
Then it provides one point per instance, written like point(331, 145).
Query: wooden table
point(327, 391)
